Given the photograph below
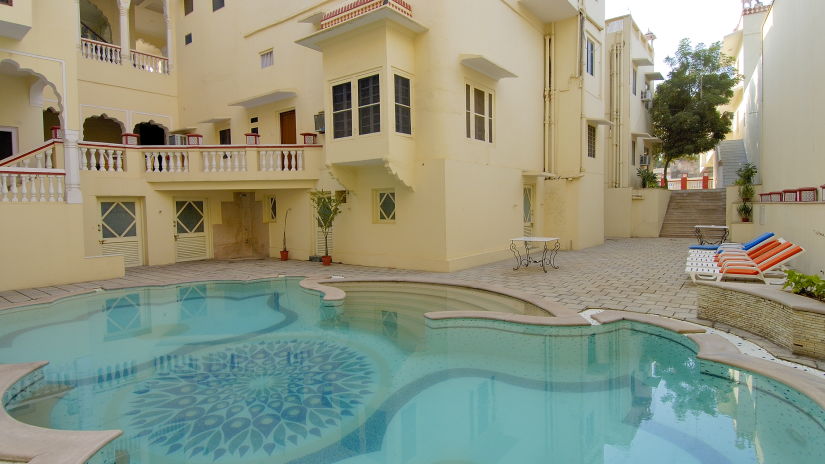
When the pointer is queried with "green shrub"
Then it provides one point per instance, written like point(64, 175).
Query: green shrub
point(648, 178)
point(811, 286)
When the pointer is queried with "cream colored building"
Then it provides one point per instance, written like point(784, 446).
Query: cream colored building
point(778, 117)
point(450, 127)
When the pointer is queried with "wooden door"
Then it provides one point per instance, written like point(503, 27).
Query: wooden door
point(190, 230)
point(288, 128)
point(120, 230)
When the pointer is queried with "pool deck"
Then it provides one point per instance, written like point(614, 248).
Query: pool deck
point(637, 275)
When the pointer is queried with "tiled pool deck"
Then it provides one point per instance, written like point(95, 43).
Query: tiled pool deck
point(640, 275)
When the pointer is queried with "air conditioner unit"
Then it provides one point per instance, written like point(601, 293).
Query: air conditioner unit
point(644, 160)
point(177, 139)
point(647, 95)
point(319, 123)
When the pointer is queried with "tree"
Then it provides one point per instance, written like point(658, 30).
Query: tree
point(685, 114)
point(327, 208)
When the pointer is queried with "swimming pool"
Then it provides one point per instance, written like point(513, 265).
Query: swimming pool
point(266, 372)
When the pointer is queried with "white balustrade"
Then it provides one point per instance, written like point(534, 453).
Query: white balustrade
point(150, 63)
point(166, 161)
point(23, 185)
point(100, 51)
point(281, 160)
point(102, 159)
point(224, 161)
point(41, 158)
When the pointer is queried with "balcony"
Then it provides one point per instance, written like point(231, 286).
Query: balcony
point(15, 19)
point(550, 11)
point(178, 167)
point(108, 53)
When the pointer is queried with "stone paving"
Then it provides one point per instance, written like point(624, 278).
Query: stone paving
point(641, 275)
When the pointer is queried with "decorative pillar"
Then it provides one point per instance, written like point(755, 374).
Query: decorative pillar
point(71, 162)
point(167, 19)
point(125, 44)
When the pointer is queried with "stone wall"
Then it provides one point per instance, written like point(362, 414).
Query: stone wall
point(789, 320)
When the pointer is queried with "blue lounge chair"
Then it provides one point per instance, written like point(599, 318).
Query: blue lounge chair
point(744, 246)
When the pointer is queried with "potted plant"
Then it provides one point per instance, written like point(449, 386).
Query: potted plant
point(284, 251)
point(648, 178)
point(327, 208)
point(745, 211)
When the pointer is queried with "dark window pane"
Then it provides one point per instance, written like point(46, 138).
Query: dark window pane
point(225, 137)
point(217, 4)
point(402, 90)
point(479, 102)
point(591, 141)
point(480, 122)
point(341, 97)
point(187, 39)
point(342, 124)
point(403, 122)
point(368, 91)
point(369, 118)
point(187, 6)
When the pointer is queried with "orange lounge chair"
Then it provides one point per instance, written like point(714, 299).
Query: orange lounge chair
point(768, 266)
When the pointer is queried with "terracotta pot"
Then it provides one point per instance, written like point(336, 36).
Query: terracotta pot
point(326, 260)
point(284, 255)
point(746, 220)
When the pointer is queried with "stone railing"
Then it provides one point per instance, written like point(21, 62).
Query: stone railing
point(166, 161)
point(24, 185)
point(42, 157)
point(224, 161)
point(100, 51)
point(150, 63)
point(360, 7)
point(690, 183)
point(108, 53)
point(98, 157)
point(281, 160)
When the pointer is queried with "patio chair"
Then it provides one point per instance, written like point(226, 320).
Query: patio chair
point(768, 270)
point(737, 254)
point(712, 249)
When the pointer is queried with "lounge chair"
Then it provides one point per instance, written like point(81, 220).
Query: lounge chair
point(751, 254)
point(768, 269)
point(711, 249)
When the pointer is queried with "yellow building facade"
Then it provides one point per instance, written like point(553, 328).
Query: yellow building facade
point(778, 111)
point(158, 131)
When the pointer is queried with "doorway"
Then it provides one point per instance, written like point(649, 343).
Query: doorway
point(289, 130)
point(120, 230)
point(8, 141)
point(150, 134)
point(190, 230)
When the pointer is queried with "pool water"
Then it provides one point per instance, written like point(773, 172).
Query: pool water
point(266, 372)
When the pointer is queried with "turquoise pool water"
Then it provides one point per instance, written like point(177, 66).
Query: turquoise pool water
point(264, 372)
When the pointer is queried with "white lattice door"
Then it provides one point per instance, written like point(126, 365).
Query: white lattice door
point(120, 230)
point(190, 230)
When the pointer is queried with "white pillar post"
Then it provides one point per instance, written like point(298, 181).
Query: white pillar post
point(71, 154)
point(167, 19)
point(125, 47)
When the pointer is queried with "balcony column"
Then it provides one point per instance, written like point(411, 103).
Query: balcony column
point(125, 47)
point(71, 154)
point(167, 19)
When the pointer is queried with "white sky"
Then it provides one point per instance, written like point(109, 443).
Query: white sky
point(705, 21)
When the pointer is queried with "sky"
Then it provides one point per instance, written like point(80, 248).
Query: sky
point(705, 21)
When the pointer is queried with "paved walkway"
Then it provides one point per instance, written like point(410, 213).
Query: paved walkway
point(642, 275)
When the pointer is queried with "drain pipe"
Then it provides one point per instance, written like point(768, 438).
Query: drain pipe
point(580, 79)
point(549, 158)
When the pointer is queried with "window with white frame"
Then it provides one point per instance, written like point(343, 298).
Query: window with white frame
point(271, 212)
point(403, 109)
point(591, 141)
point(267, 58)
point(590, 56)
point(479, 113)
point(384, 206)
point(369, 105)
point(342, 110)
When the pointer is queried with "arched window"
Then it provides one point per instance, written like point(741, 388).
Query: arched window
point(151, 133)
point(102, 129)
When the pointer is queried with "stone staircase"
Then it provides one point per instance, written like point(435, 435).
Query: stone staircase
point(688, 208)
point(731, 157)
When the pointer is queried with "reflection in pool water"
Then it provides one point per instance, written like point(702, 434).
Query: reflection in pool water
point(264, 372)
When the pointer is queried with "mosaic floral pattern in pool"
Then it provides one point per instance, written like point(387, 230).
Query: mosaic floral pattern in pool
point(253, 397)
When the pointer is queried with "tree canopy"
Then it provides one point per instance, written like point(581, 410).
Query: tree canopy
point(685, 114)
